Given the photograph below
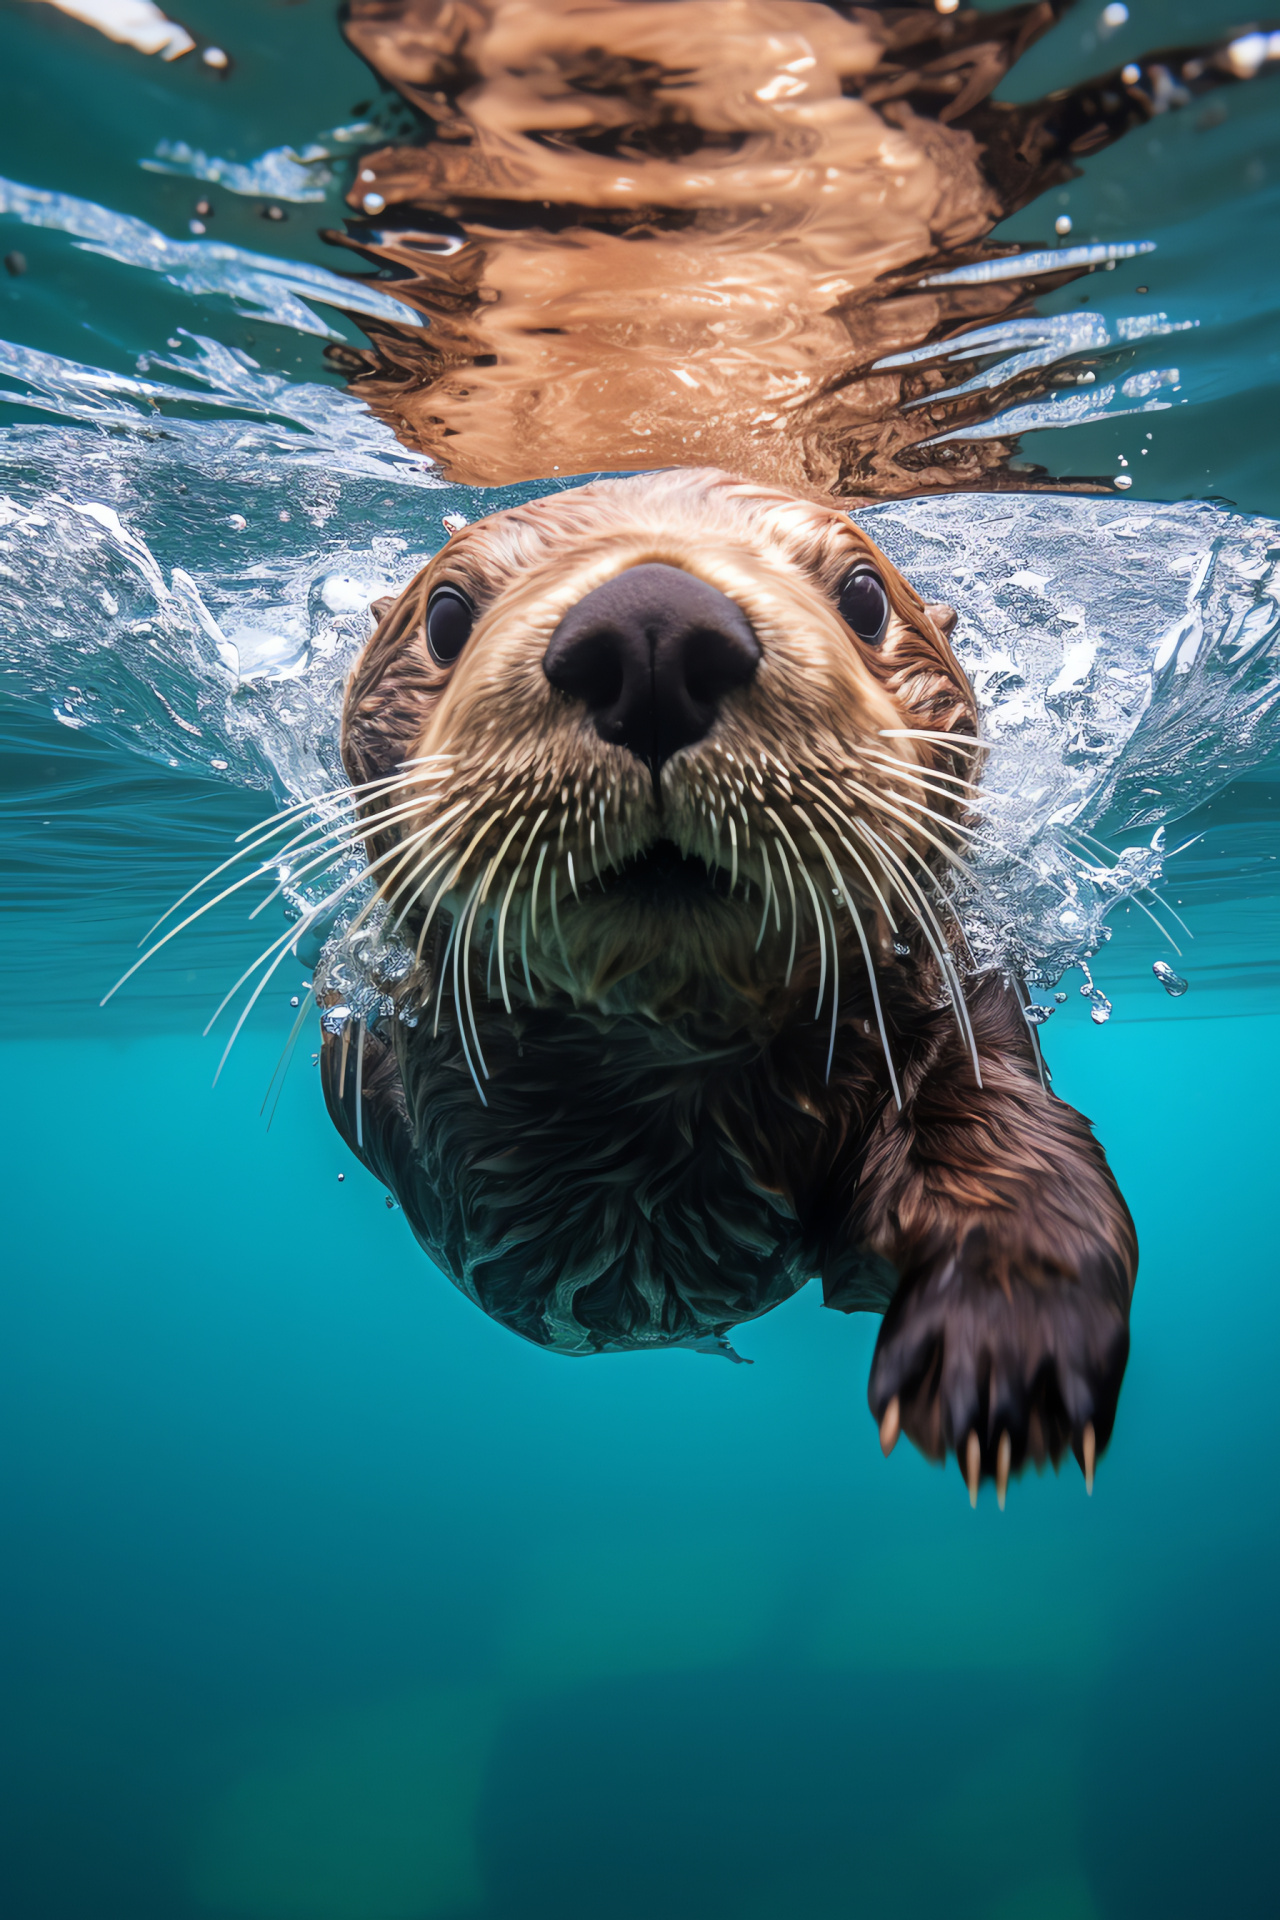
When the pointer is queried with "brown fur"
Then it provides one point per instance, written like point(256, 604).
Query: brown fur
point(646, 1146)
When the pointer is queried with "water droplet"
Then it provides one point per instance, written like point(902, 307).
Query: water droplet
point(1173, 983)
point(1123, 481)
point(1115, 15)
point(237, 522)
point(293, 1000)
point(1062, 224)
point(373, 203)
point(195, 226)
point(901, 948)
point(1099, 1007)
point(341, 1178)
point(1131, 74)
point(1061, 998)
point(214, 57)
point(1038, 1015)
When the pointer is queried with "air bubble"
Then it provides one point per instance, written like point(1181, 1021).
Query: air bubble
point(294, 1001)
point(1173, 983)
point(1099, 1007)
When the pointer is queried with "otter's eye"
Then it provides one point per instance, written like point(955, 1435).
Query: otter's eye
point(450, 618)
point(864, 605)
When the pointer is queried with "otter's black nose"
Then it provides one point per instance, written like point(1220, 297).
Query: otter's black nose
point(652, 652)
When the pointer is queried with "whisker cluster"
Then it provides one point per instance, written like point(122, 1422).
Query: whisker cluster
point(481, 856)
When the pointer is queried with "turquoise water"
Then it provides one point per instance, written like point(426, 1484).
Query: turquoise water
point(324, 1598)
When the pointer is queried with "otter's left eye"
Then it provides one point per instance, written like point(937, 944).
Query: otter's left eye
point(450, 618)
point(864, 605)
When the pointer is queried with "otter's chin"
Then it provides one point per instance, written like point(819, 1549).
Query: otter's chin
point(665, 936)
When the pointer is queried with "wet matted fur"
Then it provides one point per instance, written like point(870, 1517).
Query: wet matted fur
point(677, 1042)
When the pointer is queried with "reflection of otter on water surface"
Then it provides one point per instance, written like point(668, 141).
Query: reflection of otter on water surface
point(653, 234)
point(684, 764)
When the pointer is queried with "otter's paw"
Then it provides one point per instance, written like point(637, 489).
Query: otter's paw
point(999, 1359)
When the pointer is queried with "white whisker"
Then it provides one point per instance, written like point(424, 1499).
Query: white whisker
point(457, 1000)
point(502, 917)
point(961, 741)
point(768, 893)
point(458, 868)
point(935, 939)
point(466, 978)
point(327, 857)
point(401, 777)
point(835, 985)
point(817, 913)
point(442, 977)
point(360, 1088)
point(524, 946)
point(886, 763)
point(785, 865)
point(537, 875)
point(286, 1054)
point(882, 805)
point(824, 809)
point(863, 942)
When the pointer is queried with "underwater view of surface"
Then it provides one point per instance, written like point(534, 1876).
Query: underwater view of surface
point(325, 1597)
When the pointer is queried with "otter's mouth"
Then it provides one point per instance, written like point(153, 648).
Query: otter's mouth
point(663, 872)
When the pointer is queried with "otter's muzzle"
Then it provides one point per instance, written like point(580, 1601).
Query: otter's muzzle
point(652, 653)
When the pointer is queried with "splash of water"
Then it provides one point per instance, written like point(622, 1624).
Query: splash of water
point(259, 285)
point(196, 589)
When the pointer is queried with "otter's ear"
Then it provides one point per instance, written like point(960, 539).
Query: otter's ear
point(943, 617)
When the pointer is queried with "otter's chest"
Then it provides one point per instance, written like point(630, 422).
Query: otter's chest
point(599, 1198)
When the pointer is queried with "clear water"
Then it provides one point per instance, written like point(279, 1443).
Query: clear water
point(324, 1597)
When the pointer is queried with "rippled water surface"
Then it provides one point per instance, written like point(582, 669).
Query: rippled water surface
point(326, 1599)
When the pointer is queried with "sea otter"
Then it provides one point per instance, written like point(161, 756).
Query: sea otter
point(662, 780)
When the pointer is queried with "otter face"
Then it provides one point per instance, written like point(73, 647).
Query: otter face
point(665, 740)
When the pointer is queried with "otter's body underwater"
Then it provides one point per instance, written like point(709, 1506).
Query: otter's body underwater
point(664, 783)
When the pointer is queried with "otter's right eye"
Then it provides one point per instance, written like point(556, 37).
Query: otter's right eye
point(450, 618)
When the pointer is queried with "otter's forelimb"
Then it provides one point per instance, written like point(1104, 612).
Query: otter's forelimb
point(1008, 1332)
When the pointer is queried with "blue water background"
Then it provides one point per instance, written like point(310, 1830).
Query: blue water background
point(326, 1599)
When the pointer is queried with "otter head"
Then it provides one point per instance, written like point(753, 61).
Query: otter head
point(666, 744)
